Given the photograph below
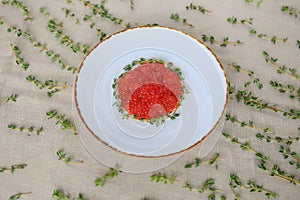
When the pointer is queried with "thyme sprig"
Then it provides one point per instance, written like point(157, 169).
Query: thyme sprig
point(234, 20)
point(19, 195)
point(238, 68)
point(52, 86)
point(250, 73)
point(132, 4)
point(177, 18)
point(69, 1)
point(235, 182)
point(163, 178)
point(13, 168)
point(67, 159)
point(20, 5)
point(250, 100)
point(293, 93)
point(260, 136)
point(12, 97)
point(206, 187)
point(281, 69)
point(56, 27)
point(264, 161)
point(59, 195)
point(264, 36)
point(54, 57)
point(64, 123)
point(249, 124)
point(291, 10)
point(288, 153)
point(100, 33)
point(267, 138)
point(223, 43)
point(69, 13)
point(199, 8)
point(198, 162)
point(258, 2)
point(146, 198)
point(102, 11)
point(113, 172)
point(19, 60)
point(30, 129)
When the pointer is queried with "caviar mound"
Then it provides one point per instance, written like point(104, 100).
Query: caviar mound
point(152, 100)
point(149, 90)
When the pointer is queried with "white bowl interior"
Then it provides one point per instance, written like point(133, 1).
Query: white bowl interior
point(200, 110)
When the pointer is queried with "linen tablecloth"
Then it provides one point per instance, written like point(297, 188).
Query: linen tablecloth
point(258, 43)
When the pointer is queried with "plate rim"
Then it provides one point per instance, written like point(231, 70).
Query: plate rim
point(151, 156)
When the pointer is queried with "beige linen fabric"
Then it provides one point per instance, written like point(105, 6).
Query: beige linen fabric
point(46, 173)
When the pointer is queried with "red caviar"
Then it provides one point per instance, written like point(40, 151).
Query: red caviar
point(152, 100)
point(149, 91)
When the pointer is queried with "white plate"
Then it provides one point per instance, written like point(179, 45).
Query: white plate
point(200, 111)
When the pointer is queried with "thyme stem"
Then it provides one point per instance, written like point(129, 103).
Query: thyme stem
point(249, 99)
point(177, 18)
point(100, 33)
point(113, 172)
point(207, 187)
point(292, 11)
point(263, 36)
point(132, 4)
point(258, 2)
point(30, 129)
point(43, 47)
point(251, 186)
point(52, 86)
point(59, 195)
point(229, 117)
point(12, 97)
point(201, 9)
point(20, 5)
point(56, 27)
point(250, 73)
point(13, 168)
point(62, 121)
point(264, 161)
point(16, 53)
point(67, 159)
point(102, 11)
point(293, 93)
point(198, 161)
point(160, 177)
point(234, 20)
point(18, 196)
point(281, 69)
point(223, 43)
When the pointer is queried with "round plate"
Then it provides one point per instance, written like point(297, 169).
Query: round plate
point(200, 111)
